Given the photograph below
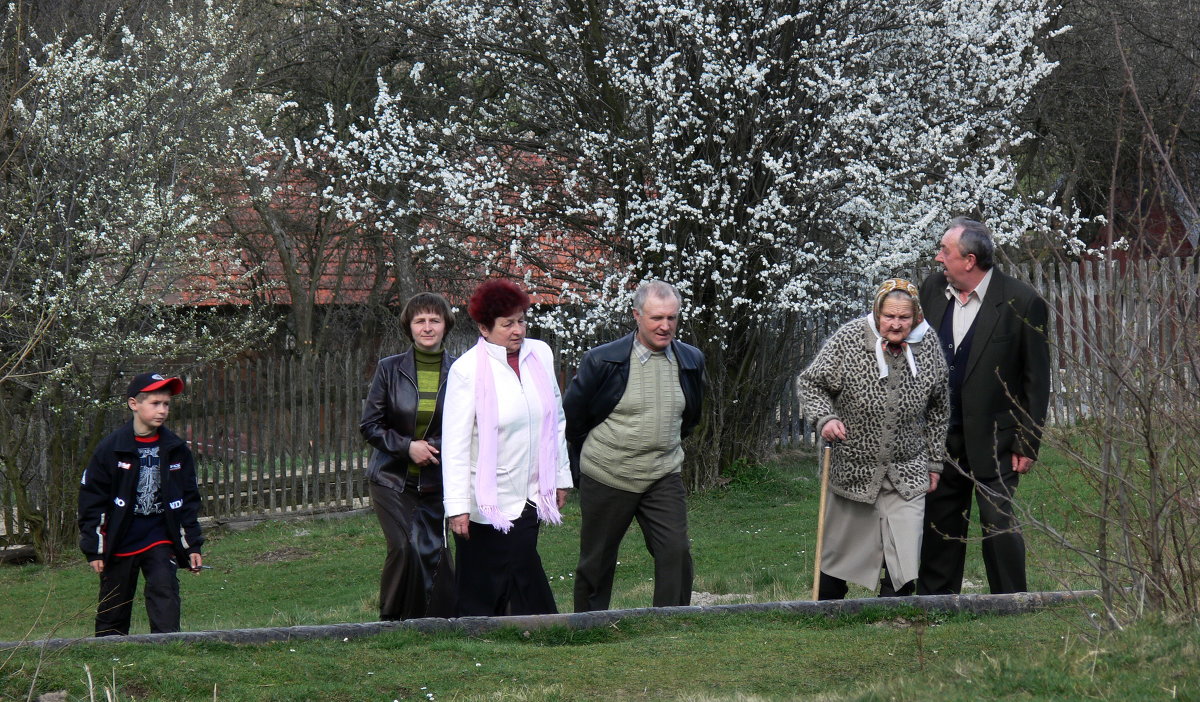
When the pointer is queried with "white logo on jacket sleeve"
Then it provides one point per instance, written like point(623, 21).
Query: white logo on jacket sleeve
point(119, 501)
point(176, 466)
point(123, 465)
point(176, 504)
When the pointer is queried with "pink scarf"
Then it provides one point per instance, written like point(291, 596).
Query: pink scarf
point(487, 417)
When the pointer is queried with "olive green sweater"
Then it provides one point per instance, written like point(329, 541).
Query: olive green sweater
point(639, 441)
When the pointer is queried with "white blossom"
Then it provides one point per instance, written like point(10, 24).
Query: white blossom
point(767, 163)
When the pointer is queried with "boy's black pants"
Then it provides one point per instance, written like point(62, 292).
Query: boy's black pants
point(118, 584)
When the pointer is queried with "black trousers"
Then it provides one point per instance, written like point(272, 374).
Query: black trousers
point(118, 585)
point(500, 574)
point(661, 512)
point(831, 588)
point(947, 517)
point(418, 575)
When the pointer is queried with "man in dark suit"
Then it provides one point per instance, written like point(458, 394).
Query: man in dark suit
point(992, 330)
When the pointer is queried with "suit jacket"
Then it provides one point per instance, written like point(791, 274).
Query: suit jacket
point(1006, 389)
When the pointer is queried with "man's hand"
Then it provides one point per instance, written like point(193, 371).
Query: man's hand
point(560, 496)
point(461, 524)
point(1021, 464)
point(196, 561)
point(834, 430)
point(97, 566)
point(933, 481)
point(422, 453)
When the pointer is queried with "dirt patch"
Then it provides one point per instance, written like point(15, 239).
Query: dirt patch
point(899, 623)
point(704, 599)
point(134, 691)
point(281, 555)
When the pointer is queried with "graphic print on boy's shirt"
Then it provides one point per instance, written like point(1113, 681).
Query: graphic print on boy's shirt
point(148, 481)
point(147, 528)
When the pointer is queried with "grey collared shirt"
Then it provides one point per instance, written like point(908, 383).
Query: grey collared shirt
point(642, 352)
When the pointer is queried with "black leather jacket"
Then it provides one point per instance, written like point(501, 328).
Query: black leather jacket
point(600, 382)
point(389, 421)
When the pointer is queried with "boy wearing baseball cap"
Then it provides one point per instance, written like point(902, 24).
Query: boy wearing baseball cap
point(138, 508)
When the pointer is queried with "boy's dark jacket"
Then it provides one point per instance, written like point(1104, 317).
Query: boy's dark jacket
point(108, 492)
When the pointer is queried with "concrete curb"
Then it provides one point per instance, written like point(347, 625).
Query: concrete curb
point(472, 626)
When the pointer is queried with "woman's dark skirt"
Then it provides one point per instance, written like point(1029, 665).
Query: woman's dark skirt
point(500, 574)
point(418, 573)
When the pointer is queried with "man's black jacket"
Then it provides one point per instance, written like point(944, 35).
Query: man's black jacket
point(600, 382)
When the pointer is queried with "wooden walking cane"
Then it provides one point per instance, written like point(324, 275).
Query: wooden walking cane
point(825, 460)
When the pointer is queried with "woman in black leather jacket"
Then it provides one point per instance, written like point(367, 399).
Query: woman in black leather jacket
point(402, 421)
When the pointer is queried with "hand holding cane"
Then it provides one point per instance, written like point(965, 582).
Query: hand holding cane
point(825, 460)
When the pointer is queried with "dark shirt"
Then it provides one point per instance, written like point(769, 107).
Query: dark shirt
point(147, 527)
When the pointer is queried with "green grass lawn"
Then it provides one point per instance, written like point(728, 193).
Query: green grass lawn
point(769, 656)
point(752, 541)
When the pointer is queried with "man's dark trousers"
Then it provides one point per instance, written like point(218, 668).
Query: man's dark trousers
point(661, 512)
point(947, 515)
point(118, 585)
point(1005, 390)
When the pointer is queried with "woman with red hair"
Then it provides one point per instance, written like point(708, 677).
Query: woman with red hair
point(504, 458)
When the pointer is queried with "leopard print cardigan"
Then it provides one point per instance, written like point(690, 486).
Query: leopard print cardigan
point(895, 426)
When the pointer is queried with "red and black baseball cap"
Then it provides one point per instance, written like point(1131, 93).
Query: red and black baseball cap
point(149, 382)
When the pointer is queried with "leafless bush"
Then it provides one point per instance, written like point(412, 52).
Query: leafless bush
point(1134, 456)
point(1130, 357)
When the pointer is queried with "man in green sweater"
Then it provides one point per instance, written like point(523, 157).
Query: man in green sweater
point(628, 409)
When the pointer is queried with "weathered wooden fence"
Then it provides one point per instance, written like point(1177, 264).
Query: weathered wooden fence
point(1154, 304)
point(1158, 300)
point(279, 435)
point(275, 435)
point(282, 435)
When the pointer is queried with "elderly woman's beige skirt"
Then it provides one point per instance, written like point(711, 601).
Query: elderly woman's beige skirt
point(861, 537)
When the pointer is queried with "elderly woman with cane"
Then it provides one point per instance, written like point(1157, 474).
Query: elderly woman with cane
point(878, 388)
point(504, 458)
point(402, 421)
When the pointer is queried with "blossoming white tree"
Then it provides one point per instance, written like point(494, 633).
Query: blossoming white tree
point(774, 159)
point(113, 138)
point(339, 281)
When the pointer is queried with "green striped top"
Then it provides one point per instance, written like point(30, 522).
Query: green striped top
point(429, 375)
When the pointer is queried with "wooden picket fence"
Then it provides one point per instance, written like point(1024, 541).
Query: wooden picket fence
point(277, 435)
point(1079, 296)
point(1154, 303)
point(281, 435)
